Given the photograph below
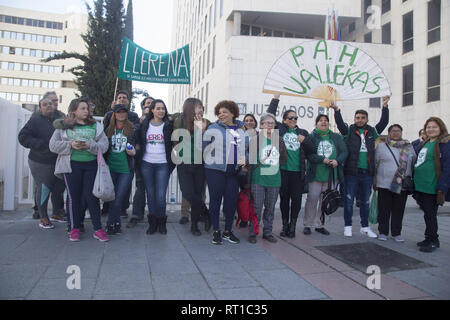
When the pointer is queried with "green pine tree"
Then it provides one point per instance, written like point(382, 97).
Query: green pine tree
point(129, 33)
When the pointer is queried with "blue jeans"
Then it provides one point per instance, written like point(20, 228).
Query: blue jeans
point(361, 184)
point(122, 182)
point(222, 185)
point(156, 179)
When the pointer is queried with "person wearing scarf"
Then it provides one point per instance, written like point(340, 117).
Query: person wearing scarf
point(331, 153)
point(393, 166)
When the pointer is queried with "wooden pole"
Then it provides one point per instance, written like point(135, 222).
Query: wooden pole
point(115, 89)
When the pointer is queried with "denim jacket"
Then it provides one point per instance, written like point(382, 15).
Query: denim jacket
point(217, 144)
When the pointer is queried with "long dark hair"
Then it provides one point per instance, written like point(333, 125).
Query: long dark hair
point(127, 128)
point(70, 119)
point(189, 112)
point(153, 105)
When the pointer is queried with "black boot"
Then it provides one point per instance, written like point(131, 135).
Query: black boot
point(292, 227)
point(162, 225)
point(152, 224)
point(194, 227)
point(285, 231)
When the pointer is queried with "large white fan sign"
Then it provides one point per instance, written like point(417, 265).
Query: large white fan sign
point(327, 70)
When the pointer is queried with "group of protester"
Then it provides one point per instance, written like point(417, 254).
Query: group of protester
point(274, 158)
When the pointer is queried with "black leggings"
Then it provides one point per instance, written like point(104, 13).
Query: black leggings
point(428, 204)
point(290, 194)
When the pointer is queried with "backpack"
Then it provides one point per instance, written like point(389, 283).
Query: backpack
point(245, 210)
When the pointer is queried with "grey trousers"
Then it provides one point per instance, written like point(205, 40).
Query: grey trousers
point(267, 196)
point(47, 183)
point(313, 206)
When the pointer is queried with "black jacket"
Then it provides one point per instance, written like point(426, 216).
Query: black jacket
point(142, 140)
point(36, 135)
point(306, 147)
point(353, 141)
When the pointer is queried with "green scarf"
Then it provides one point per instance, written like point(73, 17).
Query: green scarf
point(322, 133)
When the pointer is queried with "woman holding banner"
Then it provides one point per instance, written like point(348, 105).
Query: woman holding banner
point(293, 181)
point(154, 137)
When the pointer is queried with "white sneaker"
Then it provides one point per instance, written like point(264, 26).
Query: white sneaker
point(348, 231)
point(367, 232)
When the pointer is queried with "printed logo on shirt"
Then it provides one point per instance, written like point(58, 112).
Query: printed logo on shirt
point(363, 144)
point(325, 148)
point(273, 158)
point(421, 157)
point(118, 142)
point(291, 141)
point(155, 138)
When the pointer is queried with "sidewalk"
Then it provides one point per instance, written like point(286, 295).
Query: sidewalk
point(180, 266)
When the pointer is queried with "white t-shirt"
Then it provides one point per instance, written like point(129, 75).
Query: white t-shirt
point(155, 149)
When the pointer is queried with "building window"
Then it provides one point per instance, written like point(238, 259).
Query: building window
point(368, 37)
point(245, 30)
point(277, 33)
point(267, 32)
point(434, 21)
point(408, 34)
point(367, 4)
point(408, 85)
point(386, 33)
point(256, 31)
point(351, 27)
point(434, 79)
point(288, 35)
point(375, 102)
point(214, 53)
point(385, 6)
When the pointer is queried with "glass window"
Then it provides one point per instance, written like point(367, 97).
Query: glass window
point(5, 50)
point(7, 34)
point(8, 19)
point(48, 24)
point(8, 96)
point(13, 35)
point(386, 33)
point(288, 35)
point(368, 37)
point(434, 21)
point(19, 36)
point(59, 40)
point(27, 37)
point(256, 31)
point(34, 38)
point(367, 4)
point(385, 6)
point(21, 21)
point(29, 98)
point(37, 68)
point(46, 54)
point(18, 51)
point(24, 82)
point(408, 85)
point(37, 83)
point(32, 52)
point(4, 65)
point(4, 81)
point(35, 98)
point(15, 97)
point(14, 20)
point(10, 81)
point(17, 82)
point(267, 32)
point(245, 30)
point(408, 34)
point(277, 33)
point(38, 53)
point(44, 84)
point(3, 95)
point(434, 79)
point(45, 69)
point(29, 22)
point(41, 24)
point(48, 39)
point(25, 67)
point(10, 65)
point(55, 85)
point(12, 50)
point(23, 97)
point(16, 66)
point(26, 52)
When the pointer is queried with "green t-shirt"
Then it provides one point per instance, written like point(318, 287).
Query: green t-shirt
point(293, 151)
point(425, 179)
point(363, 160)
point(327, 149)
point(268, 173)
point(82, 133)
point(117, 157)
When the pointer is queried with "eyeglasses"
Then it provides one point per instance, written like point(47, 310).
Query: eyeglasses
point(293, 118)
point(45, 104)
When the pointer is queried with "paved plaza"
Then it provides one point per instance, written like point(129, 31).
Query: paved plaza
point(179, 266)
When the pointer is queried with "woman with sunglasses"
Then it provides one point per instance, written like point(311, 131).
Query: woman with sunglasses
point(293, 181)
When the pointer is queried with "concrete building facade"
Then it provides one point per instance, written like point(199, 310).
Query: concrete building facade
point(234, 43)
point(26, 38)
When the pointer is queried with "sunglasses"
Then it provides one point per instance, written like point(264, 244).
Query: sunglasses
point(293, 118)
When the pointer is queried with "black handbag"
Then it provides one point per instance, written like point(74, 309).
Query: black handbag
point(330, 197)
point(408, 182)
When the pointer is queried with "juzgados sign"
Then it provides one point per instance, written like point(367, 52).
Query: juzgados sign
point(139, 64)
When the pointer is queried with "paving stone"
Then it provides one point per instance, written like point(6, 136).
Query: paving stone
point(287, 285)
point(250, 293)
point(18, 280)
point(171, 263)
point(128, 278)
point(56, 289)
point(126, 296)
point(181, 287)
